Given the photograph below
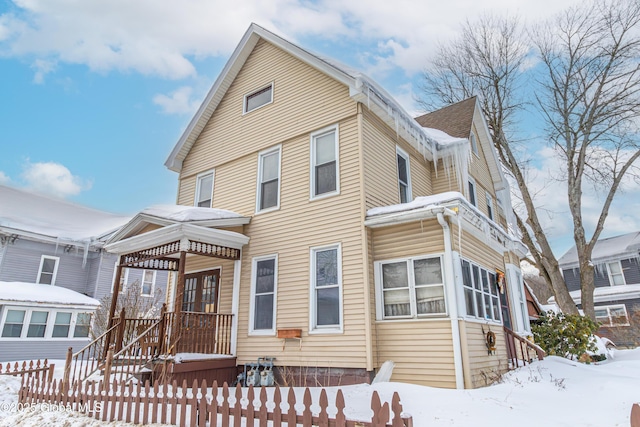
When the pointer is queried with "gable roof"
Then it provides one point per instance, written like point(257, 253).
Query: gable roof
point(361, 89)
point(608, 249)
point(40, 217)
point(455, 119)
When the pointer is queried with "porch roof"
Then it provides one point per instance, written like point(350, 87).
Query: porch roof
point(177, 233)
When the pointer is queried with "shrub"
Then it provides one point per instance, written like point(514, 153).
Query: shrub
point(565, 335)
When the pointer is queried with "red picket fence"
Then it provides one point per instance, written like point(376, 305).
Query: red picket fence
point(635, 415)
point(41, 369)
point(196, 406)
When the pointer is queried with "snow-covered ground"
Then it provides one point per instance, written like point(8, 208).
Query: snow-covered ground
point(555, 392)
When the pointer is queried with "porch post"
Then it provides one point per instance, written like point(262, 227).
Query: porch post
point(177, 325)
point(114, 302)
point(235, 303)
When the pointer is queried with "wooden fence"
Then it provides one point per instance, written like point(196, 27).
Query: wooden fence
point(635, 415)
point(40, 369)
point(196, 406)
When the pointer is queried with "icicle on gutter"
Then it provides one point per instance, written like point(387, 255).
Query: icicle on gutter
point(454, 156)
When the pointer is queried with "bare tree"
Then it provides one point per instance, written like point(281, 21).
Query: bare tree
point(589, 96)
point(487, 60)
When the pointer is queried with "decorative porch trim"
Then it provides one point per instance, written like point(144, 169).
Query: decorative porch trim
point(216, 251)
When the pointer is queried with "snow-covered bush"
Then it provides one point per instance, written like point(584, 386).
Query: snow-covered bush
point(565, 335)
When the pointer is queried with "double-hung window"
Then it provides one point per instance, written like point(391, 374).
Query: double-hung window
point(48, 270)
point(324, 162)
point(474, 143)
point(61, 325)
point(404, 175)
point(268, 179)
point(13, 323)
point(489, 205)
point(83, 324)
point(204, 189)
point(410, 288)
point(258, 98)
point(616, 276)
point(326, 288)
point(37, 324)
point(480, 292)
point(148, 282)
point(263, 295)
point(472, 191)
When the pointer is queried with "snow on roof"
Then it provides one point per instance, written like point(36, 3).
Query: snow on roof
point(24, 292)
point(606, 249)
point(189, 213)
point(30, 212)
point(417, 203)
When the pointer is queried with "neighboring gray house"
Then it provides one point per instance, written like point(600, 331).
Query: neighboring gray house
point(53, 271)
point(617, 281)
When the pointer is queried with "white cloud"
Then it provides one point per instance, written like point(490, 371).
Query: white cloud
point(4, 178)
point(159, 37)
point(178, 102)
point(42, 67)
point(53, 178)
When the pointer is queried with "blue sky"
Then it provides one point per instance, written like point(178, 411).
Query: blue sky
point(95, 93)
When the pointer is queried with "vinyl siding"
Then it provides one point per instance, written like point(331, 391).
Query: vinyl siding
point(484, 368)
point(421, 350)
point(407, 240)
point(380, 164)
point(477, 251)
point(631, 269)
point(33, 350)
point(304, 101)
point(572, 278)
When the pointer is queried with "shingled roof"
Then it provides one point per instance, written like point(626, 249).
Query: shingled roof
point(454, 119)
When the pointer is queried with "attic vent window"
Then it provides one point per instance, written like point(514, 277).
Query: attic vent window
point(258, 98)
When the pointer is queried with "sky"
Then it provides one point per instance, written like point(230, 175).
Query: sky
point(96, 93)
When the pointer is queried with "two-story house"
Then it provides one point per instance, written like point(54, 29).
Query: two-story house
point(53, 272)
point(617, 286)
point(333, 231)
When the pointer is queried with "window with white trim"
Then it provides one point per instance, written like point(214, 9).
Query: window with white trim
point(148, 282)
point(204, 189)
point(263, 294)
point(616, 275)
point(326, 288)
point(412, 287)
point(480, 292)
point(48, 270)
point(404, 175)
point(268, 197)
point(324, 162)
point(44, 323)
point(474, 143)
point(13, 323)
point(258, 98)
point(471, 190)
point(124, 278)
point(489, 200)
point(612, 315)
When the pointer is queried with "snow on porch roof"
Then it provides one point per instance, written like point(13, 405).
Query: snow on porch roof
point(30, 293)
point(52, 219)
point(606, 249)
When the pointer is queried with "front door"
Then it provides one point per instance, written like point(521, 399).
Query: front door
point(201, 291)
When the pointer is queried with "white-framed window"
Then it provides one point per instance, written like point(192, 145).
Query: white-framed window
point(44, 323)
point(474, 142)
point(325, 170)
point(471, 190)
point(616, 275)
point(124, 278)
point(268, 192)
point(204, 189)
point(264, 285)
point(612, 315)
point(489, 200)
point(404, 175)
point(62, 325)
point(410, 288)
point(13, 323)
point(48, 270)
point(258, 98)
point(148, 282)
point(326, 289)
point(480, 292)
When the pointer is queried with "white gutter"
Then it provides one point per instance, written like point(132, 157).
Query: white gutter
point(449, 278)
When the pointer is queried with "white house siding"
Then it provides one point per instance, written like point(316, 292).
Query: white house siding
point(38, 349)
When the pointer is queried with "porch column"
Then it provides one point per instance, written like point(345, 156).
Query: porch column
point(177, 304)
point(235, 304)
point(114, 301)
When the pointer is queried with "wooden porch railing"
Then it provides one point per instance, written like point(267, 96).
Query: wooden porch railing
point(208, 333)
point(520, 350)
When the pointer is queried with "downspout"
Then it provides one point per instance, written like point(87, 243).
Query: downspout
point(451, 296)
